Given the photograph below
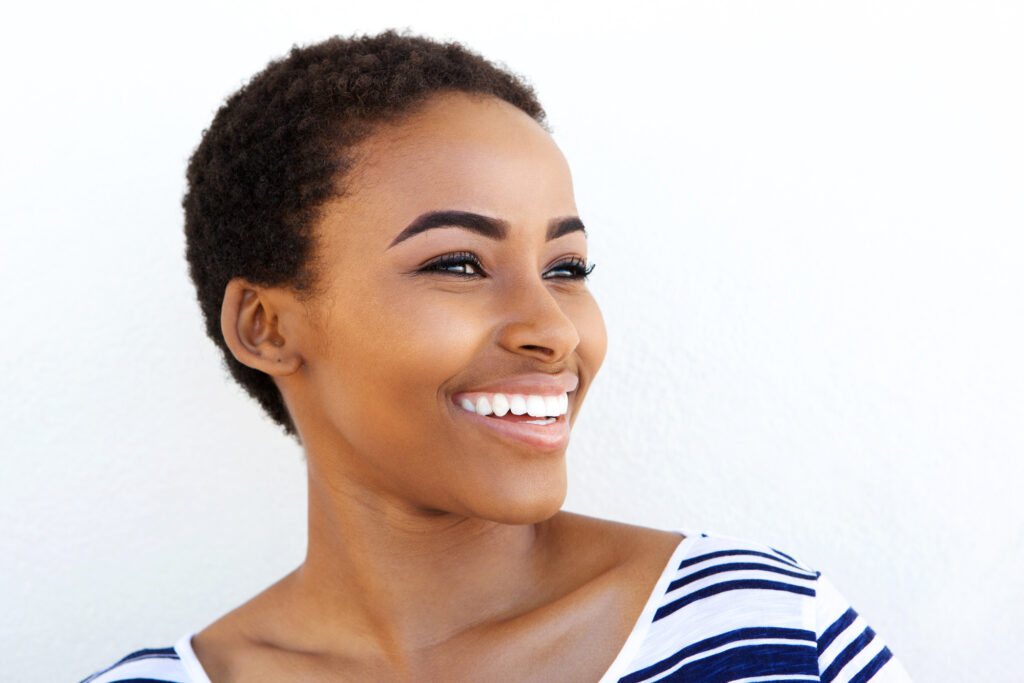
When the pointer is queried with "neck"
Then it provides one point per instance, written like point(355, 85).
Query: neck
point(397, 580)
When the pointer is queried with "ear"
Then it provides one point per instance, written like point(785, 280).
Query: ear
point(250, 320)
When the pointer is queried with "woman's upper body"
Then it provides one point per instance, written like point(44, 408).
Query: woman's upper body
point(720, 610)
point(387, 248)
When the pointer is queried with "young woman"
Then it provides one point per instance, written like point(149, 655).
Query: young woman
point(386, 247)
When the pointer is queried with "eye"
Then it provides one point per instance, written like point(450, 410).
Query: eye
point(459, 263)
point(574, 268)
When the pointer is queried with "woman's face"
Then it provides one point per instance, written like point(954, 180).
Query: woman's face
point(449, 274)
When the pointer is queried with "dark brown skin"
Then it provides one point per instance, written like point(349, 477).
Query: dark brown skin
point(436, 549)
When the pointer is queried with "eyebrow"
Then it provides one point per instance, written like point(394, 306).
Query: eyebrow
point(494, 228)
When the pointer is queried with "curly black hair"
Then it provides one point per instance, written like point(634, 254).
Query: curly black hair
point(282, 145)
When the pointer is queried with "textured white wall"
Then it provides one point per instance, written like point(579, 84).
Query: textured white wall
point(807, 221)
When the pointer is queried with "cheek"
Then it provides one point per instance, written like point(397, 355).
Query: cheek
point(377, 386)
point(589, 323)
point(439, 330)
point(401, 349)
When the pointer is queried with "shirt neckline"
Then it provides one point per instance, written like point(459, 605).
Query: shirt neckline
point(643, 623)
point(627, 652)
point(193, 668)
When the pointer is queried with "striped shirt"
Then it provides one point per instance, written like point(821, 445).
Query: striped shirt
point(723, 611)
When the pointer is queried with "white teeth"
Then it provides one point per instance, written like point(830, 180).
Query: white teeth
point(500, 405)
point(551, 406)
point(517, 404)
point(483, 406)
point(535, 406)
point(545, 421)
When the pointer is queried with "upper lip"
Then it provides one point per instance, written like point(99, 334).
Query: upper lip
point(539, 384)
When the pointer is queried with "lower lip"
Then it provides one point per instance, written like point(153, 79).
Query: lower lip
point(551, 437)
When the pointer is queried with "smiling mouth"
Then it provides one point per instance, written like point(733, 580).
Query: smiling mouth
point(522, 408)
point(539, 422)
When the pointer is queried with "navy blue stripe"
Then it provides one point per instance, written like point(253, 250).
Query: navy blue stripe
point(873, 666)
point(788, 557)
point(152, 653)
point(760, 584)
point(730, 553)
point(837, 627)
point(748, 660)
point(851, 651)
point(734, 567)
point(718, 641)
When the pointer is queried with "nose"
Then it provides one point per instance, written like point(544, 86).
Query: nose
point(536, 324)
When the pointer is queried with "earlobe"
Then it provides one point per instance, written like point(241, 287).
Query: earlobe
point(252, 330)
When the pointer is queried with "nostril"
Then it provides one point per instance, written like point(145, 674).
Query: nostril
point(542, 349)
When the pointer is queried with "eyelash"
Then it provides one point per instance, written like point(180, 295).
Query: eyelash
point(577, 266)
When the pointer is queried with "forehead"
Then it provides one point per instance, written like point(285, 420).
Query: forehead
point(463, 152)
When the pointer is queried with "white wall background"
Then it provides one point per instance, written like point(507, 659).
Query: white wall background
point(807, 219)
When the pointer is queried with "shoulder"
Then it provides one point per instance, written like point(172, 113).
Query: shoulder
point(163, 664)
point(731, 608)
point(751, 583)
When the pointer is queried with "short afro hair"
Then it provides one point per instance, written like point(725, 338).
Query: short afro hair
point(281, 146)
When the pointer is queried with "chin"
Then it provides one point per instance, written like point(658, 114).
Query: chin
point(516, 505)
point(529, 514)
